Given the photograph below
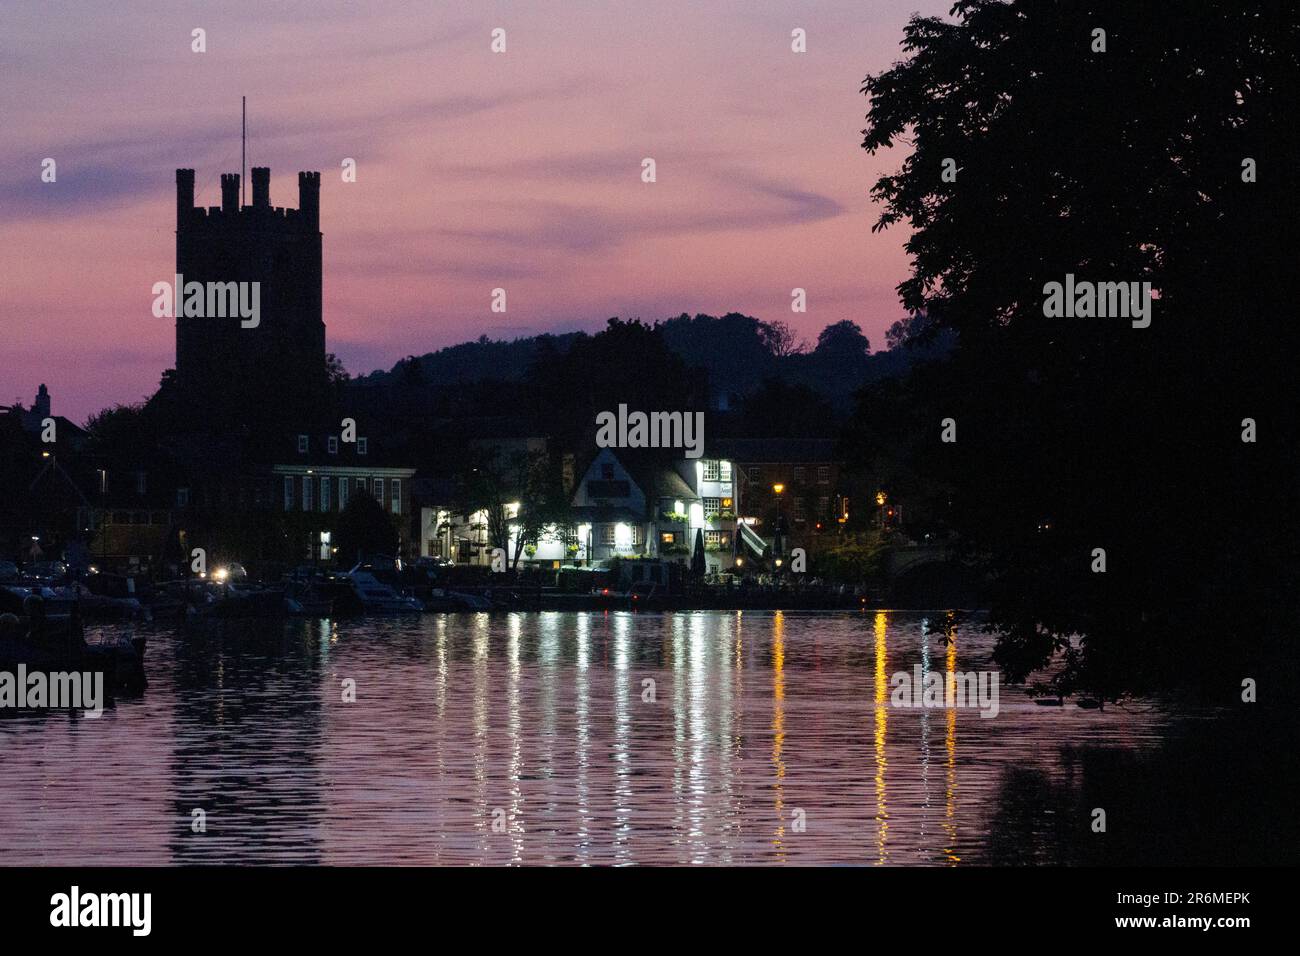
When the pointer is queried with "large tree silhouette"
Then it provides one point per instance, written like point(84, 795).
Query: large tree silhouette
point(1076, 434)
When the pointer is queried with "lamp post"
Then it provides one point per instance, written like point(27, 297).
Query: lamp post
point(881, 498)
point(778, 539)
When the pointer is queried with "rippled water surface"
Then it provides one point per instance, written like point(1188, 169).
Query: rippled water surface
point(536, 738)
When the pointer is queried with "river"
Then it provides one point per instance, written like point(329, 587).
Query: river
point(765, 738)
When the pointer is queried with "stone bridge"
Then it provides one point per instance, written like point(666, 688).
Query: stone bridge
point(900, 560)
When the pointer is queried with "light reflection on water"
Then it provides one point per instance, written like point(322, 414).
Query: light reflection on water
point(538, 738)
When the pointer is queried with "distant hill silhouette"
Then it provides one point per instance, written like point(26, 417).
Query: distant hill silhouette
point(735, 352)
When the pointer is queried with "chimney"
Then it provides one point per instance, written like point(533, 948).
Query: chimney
point(184, 195)
point(230, 192)
point(309, 198)
point(261, 186)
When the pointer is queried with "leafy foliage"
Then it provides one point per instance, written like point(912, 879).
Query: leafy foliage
point(1074, 434)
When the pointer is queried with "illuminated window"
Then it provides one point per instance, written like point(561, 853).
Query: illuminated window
point(711, 471)
point(397, 495)
point(724, 470)
point(711, 508)
point(379, 491)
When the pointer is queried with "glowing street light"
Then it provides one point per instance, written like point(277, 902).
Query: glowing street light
point(778, 488)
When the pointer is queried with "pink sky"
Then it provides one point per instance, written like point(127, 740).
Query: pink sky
point(475, 169)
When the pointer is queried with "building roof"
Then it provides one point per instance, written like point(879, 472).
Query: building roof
point(667, 483)
point(651, 469)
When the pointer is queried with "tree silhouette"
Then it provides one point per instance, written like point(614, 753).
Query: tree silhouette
point(1075, 434)
point(365, 529)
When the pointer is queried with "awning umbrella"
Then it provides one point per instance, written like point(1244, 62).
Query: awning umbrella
point(697, 559)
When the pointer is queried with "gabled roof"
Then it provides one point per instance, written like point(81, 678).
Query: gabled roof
point(651, 469)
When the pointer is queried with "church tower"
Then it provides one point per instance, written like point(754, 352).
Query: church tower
point(277, 248)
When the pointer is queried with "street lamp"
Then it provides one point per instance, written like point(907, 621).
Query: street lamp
point(778, 538)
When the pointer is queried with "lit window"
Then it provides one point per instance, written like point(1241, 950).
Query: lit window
point(397, 495)
point(324, 494)
point(306, 493)
point(711, 471)
point(333, 444)
point(667, 537)
point(361, 446)
point(302, 444)
point(724, 471)
point(711, 508)
point(379, 491)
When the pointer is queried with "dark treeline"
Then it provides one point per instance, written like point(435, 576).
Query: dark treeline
point(696, 361)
